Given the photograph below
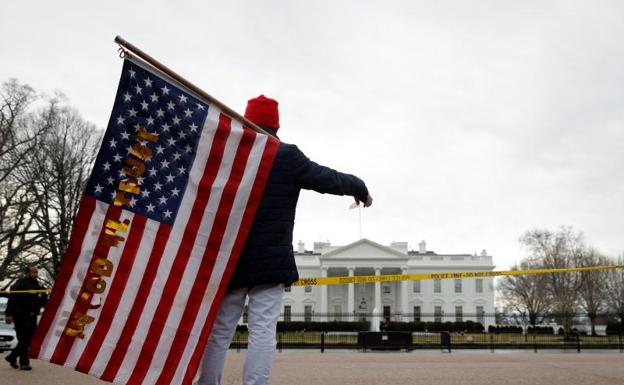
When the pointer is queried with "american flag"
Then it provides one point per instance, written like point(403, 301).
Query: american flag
point(162, 222)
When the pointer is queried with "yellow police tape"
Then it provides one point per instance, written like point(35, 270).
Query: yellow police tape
point(419, 277)
point(327, 281)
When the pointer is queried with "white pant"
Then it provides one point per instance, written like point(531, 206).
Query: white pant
point(265, 303)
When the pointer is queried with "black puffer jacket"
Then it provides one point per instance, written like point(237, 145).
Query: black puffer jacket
point(267, 256)
point(25, 304)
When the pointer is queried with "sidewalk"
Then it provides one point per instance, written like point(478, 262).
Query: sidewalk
point(419, 367)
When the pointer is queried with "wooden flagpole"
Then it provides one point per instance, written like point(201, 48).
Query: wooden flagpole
point(149, 59)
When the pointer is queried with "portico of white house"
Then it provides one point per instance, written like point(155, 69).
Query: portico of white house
point(467, 299)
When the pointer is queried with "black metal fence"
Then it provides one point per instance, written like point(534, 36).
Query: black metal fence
point(446, 332)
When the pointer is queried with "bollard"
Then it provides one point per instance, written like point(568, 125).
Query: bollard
point(620, 339)
point(534, 340)
point(491, 343)
point(237, 342)
point(578, 342)
point(322, 342)
point(279, 341)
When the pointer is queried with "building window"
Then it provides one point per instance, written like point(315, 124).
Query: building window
point(416, 287)
point(337, 312)
point(287, 289)
point(437, 314)
point(308, 289)
point(386, 312)
point(245, 314)
point(458, 285)
point(479, 285)
point(307, 313)
point(416, 313)
point(480, 315)
point(437, 286)
point(459, 314)
point(287, 313)
point(386, 289)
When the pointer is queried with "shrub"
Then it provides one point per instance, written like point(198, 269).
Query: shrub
point(331, 326)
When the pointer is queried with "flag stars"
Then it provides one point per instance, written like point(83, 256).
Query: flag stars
point(160, 113)
point(176, 156)
point(113, 195)
point(159, 149)
point(125, 135)
point(182, 99)
point(165, 127)
point(138, 90)
point(148, 82)
point(120, 120)
point(175, 192)
point(200, 107)
point(132, 73)
point(117, 158)
point(188, 149)
point(162, 200)
point(106, 166)
point(165, 90)
point(164, 164)
point(181, 170)
point(112, 143)
point(154, 98)
point(171, 142)
point(167, 213)
point(132, 202)
point(110, 181)
point(127, 97)
point(145, 193)
point(171, 105)
point(188, 113)
point(193, 127)
point(176, 120)
point(122, 173)
point(150, 121)
point(150, 208)
point(98, 188)
point(157, 186)
point(144, 105)
point(153, 172)
point(132, 112)
point(182, 135)
point(170, 178)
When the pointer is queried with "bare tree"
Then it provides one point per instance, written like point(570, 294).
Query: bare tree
point(526, 295)
point(17, 139)
point(57, 174)
point(615, 289)
point(592, 286)
point(561, 249)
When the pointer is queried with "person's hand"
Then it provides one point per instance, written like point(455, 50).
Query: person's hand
point(369, 201)
point(8, 319)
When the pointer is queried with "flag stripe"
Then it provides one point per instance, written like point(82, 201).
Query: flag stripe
point(185, 373)
point(181, 259)
point(85, 211)
point(65, 342)
point(96, 222)
point(113, 297)
point(143, 293)
point(209, 258)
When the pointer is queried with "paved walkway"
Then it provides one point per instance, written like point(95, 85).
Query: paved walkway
point(419, 367)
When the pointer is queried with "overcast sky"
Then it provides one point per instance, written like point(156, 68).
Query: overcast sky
point(470, 122)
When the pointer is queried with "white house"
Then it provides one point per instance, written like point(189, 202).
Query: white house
point(430, 300)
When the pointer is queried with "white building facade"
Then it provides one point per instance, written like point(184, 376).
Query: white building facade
point(428, 300)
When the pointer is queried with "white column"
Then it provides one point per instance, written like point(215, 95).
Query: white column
point(351, 296)
point(378, 292)
point(404, 294)
point(324, 298)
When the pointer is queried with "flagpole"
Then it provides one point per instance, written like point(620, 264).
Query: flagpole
point(149, 59)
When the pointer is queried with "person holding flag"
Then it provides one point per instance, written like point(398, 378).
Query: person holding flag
point(267, 264)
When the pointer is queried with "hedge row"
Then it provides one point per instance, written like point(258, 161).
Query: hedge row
point(615, 328)
point(332, 326)
point(541, 330)
point(467, 326)
point(504, 329)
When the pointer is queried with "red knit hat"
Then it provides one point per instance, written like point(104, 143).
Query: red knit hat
point(263, 111)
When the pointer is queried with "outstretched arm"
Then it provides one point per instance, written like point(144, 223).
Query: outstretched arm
point(313, 176)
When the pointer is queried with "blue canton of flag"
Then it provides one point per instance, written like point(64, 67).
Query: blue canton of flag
point(149, 103)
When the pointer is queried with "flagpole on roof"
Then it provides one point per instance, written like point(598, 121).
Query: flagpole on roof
point(134, 50)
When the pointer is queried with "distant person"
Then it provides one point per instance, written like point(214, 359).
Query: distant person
point(22, 310)
point(267, 264)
